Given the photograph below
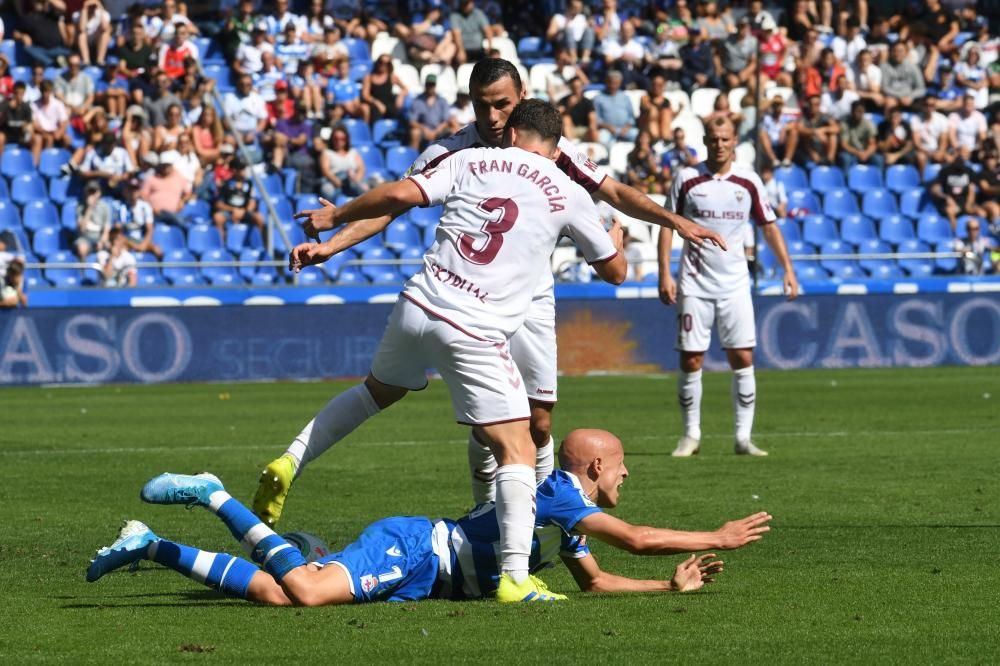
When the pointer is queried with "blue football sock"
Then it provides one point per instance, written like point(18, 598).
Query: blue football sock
point(219, 571)
point(266, 548)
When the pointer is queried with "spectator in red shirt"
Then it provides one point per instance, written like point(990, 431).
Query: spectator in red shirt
point(823, 76)
point(173, 54)
point(772, 53)
point(282, 106)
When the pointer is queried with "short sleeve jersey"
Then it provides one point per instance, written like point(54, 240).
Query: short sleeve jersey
point(560, 505)
point(724, 204)
point(572, 161)
point(504, 209)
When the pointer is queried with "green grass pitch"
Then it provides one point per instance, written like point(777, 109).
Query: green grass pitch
point(884, 485)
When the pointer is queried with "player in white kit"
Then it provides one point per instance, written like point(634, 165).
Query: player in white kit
point(713, 285)
point(496, 89)
point(504, 211)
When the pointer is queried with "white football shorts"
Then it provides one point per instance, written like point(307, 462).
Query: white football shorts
point(733, 316)
point(482, 377)
point(534, 349)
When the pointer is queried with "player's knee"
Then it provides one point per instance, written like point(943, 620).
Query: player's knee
point(384, 395)
point(692, 362)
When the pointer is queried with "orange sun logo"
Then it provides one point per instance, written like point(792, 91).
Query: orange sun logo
point(587, 344)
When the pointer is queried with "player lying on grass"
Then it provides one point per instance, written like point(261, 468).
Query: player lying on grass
point(410, 558)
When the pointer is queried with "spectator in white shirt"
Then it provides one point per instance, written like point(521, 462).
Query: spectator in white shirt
point(931, 133)
point(866, 77)
point(573, 31)
point(249, 55)
point(117, 264)
point(968, 126)
point(107, 162)
point(848, 47)
point(626, 55)
point(50, 120)
point(246, 110)
point(837, 103)
point(93, 32)
point(135, 217)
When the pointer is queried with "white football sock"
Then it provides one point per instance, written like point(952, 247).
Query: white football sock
point(483, 469)
point(689, 397)
point(333, 423)
point(544, 461)
point(516, 518)
point(744, 402)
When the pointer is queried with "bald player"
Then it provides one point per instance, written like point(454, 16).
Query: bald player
point(411, 558)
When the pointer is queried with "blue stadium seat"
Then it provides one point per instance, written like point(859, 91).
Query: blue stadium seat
point(359, 70)
point(857, 228)
point(376, 253)
point(895, 229)
point(63, 277)
point(178, 275)
point(10, 217)
point(20, 73)
point(902, 177)
point(273, 185)
point(840, 268)
point(16, 161)
point(290, 178)
point(931, 171)
point(8, 48)
point(429, 235)
point(357, 50)
point(823, 178)
point(52, 160)
point(887, 271)
point(358, 131)
point(799, 247)
point(384, 128)
point(220, 73)
point(790, 229)
point(267, 276)
point(382, 274)
point(402, 234)
point(247, 256)
point(399, 159)
point(934, 229)
point(295, 236)
point(20, 240)
point(63, 188)
point(196, 211)
point(311, 275)
point(945, 264)
point(236, 236)
point(39, 214)
point(334, 264)
point(28, 187)
point(4, 191)
point(411, 253)
point(804, 200)
point(913, 203)
point(838, 204)
point(879, 203)
point(424, 217)
point(34, 279)
point(220, 275)
point(307, 202)
point(169, 237)
point(371, 155)
point(282, 208)
point(203, 238)
point(793, 176)
point(871, 247)
point(863, 178)
point(351, 275)
point(915, 267)
point(818, 229)
point(809, 270)
point(48, 241)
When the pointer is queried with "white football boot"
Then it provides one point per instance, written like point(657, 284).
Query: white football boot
point(686, 447)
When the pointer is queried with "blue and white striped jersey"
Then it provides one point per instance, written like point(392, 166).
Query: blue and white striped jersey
point(474, 540)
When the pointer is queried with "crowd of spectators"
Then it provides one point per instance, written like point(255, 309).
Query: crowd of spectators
point(119, 84)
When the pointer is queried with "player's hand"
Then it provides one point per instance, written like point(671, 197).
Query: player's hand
point(317, 219)
point(738, 533)
point(791, 286)
point(694, 572)
point(697, 234)
point(668, 290)
point(308, 254)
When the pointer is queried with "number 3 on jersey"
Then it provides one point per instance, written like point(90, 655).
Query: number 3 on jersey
point(493, 228)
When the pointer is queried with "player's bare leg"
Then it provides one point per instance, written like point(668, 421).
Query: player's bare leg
point(305, 586)
point(515, 506)
point(339, 418)
point(744, 395)
point(689, 398)
point(483, 466)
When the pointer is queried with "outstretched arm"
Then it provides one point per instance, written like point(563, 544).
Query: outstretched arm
point(389, 199)
point(691, 574)
point(636, 204)
point(642, 540)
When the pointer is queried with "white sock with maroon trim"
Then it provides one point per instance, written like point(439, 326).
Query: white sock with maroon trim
point(483, 469)
point(544, 461)
point(689, 397)
point(333, 423)
point(744, 394)
point(516, 518)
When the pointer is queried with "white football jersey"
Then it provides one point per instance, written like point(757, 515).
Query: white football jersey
point(504, 211)
point(723, 203)
point(575, 164)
